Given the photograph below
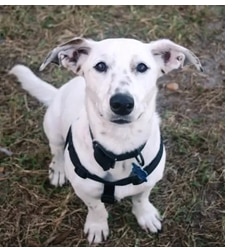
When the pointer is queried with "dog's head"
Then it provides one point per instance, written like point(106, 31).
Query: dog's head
point(121, 74)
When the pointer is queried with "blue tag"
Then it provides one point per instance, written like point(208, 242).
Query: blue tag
point(139, 172)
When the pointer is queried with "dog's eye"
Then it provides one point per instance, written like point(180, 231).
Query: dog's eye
point(141, 67)
point(101, 67)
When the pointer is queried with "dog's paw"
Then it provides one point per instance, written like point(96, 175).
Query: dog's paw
point(148, 218)
point(57, 175)
point(150, 222)
point(97, 232)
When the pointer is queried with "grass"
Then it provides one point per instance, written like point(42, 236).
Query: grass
point(191, 195)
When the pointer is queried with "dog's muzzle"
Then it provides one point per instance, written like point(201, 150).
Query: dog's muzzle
point(121, 105)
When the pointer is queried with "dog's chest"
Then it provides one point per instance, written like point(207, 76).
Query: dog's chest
point(120, 170)
point(86, 187)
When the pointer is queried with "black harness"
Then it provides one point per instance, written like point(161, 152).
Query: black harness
point(107, 160)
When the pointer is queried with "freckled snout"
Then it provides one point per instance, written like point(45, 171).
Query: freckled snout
point(122, 104)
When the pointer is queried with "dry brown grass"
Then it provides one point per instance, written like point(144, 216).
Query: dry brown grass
point(191, 195)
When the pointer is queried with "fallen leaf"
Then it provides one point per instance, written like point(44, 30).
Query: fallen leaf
point(172, 86)
point(2, 170)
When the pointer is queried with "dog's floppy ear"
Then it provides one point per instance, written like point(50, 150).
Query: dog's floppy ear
point(171, 56)
point(70, 54)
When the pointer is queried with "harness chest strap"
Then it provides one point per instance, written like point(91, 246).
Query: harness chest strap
point(106, 159)
point(137, 176)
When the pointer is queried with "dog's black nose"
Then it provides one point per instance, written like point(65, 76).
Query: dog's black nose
point(121, 104)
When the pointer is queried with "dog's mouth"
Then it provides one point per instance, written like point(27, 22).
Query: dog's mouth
point(118, 119)
point(127, 120)
point(121, 121)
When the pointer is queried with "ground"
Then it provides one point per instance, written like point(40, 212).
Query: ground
point(190, 198)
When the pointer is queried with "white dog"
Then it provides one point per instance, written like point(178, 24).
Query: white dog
point(102, 126)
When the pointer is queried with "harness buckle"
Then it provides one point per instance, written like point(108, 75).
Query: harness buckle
point(139, 175)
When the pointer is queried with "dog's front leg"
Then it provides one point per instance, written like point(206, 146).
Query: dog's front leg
point(147, 215)
point(96, 225)
point(56, 168)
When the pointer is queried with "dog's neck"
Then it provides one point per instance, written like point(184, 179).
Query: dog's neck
point(125, 137)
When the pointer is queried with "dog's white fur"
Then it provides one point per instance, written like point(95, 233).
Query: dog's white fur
point(83, 102)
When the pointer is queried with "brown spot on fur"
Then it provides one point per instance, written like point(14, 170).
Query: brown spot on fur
point(117, 90)
point(133, 63)
point(78, 68)
point(156, 53)
point(166, 56)
point(122, 83)
point(128, 79)
point(83, 51)
point(113, 77)
point(132, 66)
point(124, 166)
point(77, 53)
point(75, 56)
point(124, 72)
